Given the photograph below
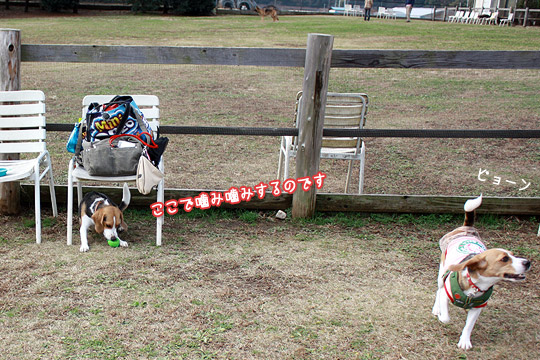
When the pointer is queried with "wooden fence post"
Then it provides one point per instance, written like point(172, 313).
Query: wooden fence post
point(311, 119)
point(10, 80)
point(526, 17)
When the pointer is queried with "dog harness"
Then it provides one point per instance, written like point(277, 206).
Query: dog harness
point(459, 251)
point(459, 298)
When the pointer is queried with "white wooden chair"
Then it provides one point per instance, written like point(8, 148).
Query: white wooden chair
point(456, 17)
point(381, 12)
point(473, 17)
point(22, 124)
point(149, 105)
point(493, 18)
point(343, 110)
point(508, 21)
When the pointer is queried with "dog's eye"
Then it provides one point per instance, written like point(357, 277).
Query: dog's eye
point(505, 259)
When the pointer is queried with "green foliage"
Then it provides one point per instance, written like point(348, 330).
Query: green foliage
point(180, 7)
point(57, 5)
point(192, 7)
point(146, 5)
point(531, 4)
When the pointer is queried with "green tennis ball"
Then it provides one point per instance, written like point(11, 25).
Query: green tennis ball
point(114, 243)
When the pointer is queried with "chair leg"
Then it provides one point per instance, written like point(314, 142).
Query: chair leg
point(70, 204)
point(362, 162)
point(37, 204)
point(160, 198)
point(349, 174)
point(286, 161)
point(51, 188)
point(280, 160)
point(79, 192)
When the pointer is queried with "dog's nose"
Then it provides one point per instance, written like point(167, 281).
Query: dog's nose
point(527, 264)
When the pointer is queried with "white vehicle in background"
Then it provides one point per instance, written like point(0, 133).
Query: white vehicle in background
point(237, 4)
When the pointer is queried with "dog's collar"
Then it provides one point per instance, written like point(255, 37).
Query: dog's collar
point(473, 285)
point(462, 300)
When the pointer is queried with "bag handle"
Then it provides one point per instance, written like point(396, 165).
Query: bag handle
point(152, 144)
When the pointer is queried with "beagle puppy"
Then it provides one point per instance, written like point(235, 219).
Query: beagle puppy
point(468, 271)
point(98, 210)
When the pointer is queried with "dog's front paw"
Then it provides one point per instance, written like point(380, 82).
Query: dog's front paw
point(444, 318)
point(464, 344)
point(84, 248)
point(123, 243)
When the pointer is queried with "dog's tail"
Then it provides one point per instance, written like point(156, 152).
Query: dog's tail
point(126, 198)
point(470, 206)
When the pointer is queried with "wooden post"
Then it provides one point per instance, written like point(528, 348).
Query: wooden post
point(311, 118)
point(526, 17)
point(10, 64)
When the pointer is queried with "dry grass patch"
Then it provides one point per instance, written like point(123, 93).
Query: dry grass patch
point(339, 287)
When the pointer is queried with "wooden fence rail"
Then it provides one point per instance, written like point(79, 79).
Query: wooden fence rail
point(297, 58)
point(405, 59)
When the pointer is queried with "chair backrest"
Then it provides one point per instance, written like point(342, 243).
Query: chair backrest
point(343, 110)
point(22, 121)
point(149, 105)
point(348, 6)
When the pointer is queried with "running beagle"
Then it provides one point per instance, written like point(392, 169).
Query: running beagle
point(98, 209)
point(468, 272)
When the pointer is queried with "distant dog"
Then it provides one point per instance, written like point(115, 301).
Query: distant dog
point(468, 272)
point(269, 10)
point(97, 209)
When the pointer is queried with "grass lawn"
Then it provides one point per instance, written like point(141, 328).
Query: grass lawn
point(241, 284)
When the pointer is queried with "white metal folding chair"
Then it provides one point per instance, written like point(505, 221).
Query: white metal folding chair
point(149, 105)
point(22, 124)
point(343, 110)
point(348, 10)
point(391, 14)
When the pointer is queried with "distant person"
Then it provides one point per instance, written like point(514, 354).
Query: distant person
point(368, 4)
point(408, 8)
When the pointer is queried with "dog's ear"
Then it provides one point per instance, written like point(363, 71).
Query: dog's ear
point(98, 220)
point(476, 263)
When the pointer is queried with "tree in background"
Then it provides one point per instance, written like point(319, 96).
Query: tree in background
point(57, 5)
point(182, 7)
point(146, 5)
point(192, 7)
point(531, 4)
